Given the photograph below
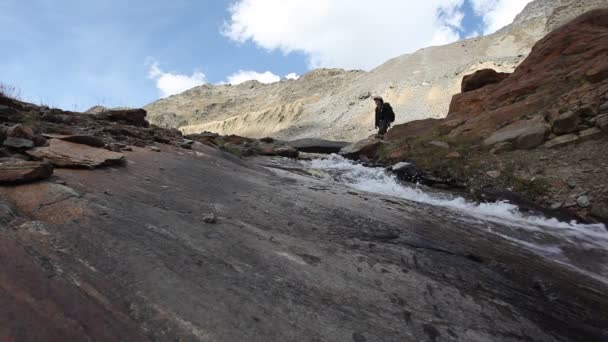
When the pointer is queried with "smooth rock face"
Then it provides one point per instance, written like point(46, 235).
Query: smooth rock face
point(18, 143)
point(482, 78)
point(18, 171)
point(311, 145)
point(66, 154)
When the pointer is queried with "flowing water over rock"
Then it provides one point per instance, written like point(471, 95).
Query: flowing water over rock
point(581, 246)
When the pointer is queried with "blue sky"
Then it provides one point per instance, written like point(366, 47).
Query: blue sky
point(75, 54)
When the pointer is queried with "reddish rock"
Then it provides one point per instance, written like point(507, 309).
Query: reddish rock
point(66, 154)
point(454, 155)
point(20, 131)
point(482, 78)
point(14, 171)
point(576, 52)
point(78, 139)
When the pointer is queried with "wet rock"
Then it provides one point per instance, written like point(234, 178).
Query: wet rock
point(18, 143)
point(406, 171)
point(600, 211)
point(482, 78)
point(16, 171)
point(311, 145)
point(78, 139)
point(66, 154)
point(20, 131)
point(562, 141)
point(524, 135)
point(566, 123)
point(583, 201)
point(282, 151)
point(365, 148)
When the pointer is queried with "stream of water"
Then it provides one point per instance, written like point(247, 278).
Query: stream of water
point(572, 243)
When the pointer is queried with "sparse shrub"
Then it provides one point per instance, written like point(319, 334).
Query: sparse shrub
point(10, 91)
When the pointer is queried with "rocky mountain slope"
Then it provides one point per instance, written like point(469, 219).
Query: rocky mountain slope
point(335, 103)
point(541, 131)
point(114, 230)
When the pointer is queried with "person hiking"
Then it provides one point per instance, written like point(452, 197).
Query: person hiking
point(384, 115)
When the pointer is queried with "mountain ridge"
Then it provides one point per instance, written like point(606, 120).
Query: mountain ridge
point(333, 103)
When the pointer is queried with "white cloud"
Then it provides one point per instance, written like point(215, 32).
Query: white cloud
point(351, 34)
point(497, 14)
point(248, 75)
point(292, 76)
point(170, 84)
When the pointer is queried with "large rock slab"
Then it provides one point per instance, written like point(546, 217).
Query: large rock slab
point(311, 145)
point(78, 139)
point(14, 171)
point(66, 154)
point(365, 148)
point(524, 135)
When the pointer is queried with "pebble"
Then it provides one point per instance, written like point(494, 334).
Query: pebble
point(583, 201)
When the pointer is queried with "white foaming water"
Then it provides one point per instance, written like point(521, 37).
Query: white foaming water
point(379, 181)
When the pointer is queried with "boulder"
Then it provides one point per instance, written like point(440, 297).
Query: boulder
point(406, 171)
point(566, 123)
point(365, 148)
point(311, 145)
point(501, 147)
point(135, 117)
point(20, 131)
point(18, 143)
point(62, 153)
point(561, 141)
point(14, 171)
point(78, 139)
point(482, 78)
point(524, 134)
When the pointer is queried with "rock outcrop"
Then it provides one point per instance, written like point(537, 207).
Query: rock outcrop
point(336, 105)
point(15, 171)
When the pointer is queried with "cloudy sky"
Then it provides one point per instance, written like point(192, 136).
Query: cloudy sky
point(75, 54)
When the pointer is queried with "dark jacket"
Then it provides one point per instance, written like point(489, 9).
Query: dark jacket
point(385, 112)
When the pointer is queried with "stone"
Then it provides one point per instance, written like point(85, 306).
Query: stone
point(40, 141)
point(603, 109)
point(502, 147)
point(493, 174)
point(282, 151)
point(602, 122)
point(15, 171)
point(591, 134)
point(18, 143)
point(405, 171)
point(210, 218)
point(311, 145)
point(20, 131)
point(583, 201)
point(154, 148)
point(440, 144)
point(561, 141)
point(600, 211)
point(566, 123)
point(524, 134)
point(367, 148)
point(454, 155)
point(482, 78)
point(267, 140)
point(78, 139)
point(67, 154)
